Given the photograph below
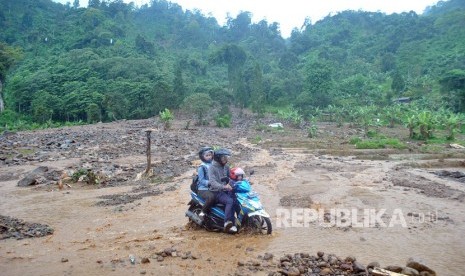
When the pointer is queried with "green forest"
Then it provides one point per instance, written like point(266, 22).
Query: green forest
point(65, 64)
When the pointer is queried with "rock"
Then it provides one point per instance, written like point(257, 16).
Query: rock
point(410, 271)
point(160, 258)
point(322, 264)
point(346, 267)
point(293, 271)
point(419, 265)
point(268, 256)
point(31, 178)
point(320, 254)
point(358, 267)
point(394, 268)
point(145, 260)
point(64, 260)
point(350, 259)
point(325, 271)
point(373, 265)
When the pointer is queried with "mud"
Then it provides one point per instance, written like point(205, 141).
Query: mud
point(130, 224)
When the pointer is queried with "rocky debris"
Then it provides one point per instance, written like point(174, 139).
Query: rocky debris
point(424, 186)
point(172, 252)
point(459, 176)
point(328, 264)
point(296, 201)
point(19, 229)
point(124, 198)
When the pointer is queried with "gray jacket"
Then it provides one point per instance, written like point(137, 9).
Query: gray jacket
point(215, 172)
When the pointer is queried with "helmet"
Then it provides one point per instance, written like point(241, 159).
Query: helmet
point(235, 172)
point(202, 152)
point(220, 153)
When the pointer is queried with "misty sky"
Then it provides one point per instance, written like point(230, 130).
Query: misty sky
point(290, 13)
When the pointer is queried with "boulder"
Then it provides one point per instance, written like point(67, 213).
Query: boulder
point(31, 178)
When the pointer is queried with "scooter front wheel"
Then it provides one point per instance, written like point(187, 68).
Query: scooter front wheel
point(260, 225)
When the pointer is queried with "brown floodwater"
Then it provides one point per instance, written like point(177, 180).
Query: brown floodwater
point(95, 240)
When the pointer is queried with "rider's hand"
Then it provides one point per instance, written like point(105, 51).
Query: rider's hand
point(228, 187)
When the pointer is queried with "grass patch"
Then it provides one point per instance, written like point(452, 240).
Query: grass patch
point(256, 140)
point(355, 140)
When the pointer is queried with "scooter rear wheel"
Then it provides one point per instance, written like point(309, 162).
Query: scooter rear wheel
point(196, 210)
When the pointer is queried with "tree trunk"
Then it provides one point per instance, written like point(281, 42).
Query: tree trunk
point(2, 105)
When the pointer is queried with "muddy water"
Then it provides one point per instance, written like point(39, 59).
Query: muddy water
point(94, 240)
point(427, 227)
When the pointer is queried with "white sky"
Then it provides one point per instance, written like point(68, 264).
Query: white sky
point(289, 13)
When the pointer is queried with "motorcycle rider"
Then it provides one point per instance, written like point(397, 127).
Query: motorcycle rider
point(219, 184)
point(206, 156)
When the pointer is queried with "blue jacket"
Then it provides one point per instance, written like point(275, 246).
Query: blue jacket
point(202, 172)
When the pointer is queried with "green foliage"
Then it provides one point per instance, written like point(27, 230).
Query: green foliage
point(355, 140)
point(77, 174)
point(290, 114)
point(166, 117)
point(87, 175)
point(199, 105)
point(223, 121)
point(312, 131)
point(380, 144)
point(118, 61)
point(257, 139)
point(93, 113)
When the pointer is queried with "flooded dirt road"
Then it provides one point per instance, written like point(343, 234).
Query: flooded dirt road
point(386, 210)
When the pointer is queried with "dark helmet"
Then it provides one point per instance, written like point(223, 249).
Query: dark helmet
point(220, 153)
point(202, 152)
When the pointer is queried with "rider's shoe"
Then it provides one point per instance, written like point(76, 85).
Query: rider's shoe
point(233, 229)
point(227, 226)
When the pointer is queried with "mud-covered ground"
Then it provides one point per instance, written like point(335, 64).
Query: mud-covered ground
point(335, 210)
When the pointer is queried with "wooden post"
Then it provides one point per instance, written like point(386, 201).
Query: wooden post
point(148, 171)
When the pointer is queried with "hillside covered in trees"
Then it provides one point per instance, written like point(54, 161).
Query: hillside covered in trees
point(111, 60)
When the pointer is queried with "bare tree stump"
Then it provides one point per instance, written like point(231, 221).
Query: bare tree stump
point(148, 170)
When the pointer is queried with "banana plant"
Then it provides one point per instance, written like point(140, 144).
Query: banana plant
point(411, 122)
point(393, 114)
point(451, 124)
point(427, 123)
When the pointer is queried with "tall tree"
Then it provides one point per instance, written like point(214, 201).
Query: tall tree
point(8, 56)
point(235, 57)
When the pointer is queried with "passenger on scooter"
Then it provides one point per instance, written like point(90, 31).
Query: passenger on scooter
point(206, 155)
point(218, 175)
point(236, 174)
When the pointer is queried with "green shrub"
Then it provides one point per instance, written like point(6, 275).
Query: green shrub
point(355, 140)
point(166, 117)
point(223, 121)
point(369, 144)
